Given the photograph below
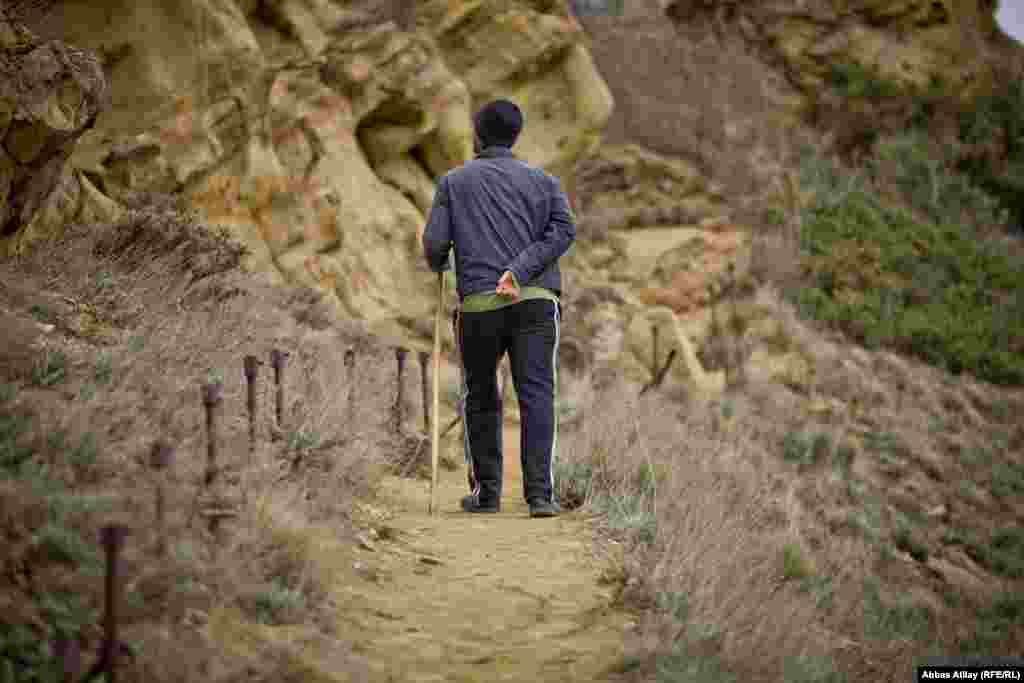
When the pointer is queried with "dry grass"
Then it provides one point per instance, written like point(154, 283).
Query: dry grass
point(786, 560)
point(144, 313)
point(723, 514)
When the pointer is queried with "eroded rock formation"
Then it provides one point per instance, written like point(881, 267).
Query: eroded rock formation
point(50, 95)
point(314, 130)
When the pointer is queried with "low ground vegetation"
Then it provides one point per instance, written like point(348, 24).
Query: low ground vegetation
point(121, 367)
point(756, 509)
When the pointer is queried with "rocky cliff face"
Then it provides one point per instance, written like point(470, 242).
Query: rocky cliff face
point(313, 130)
point(905, 42)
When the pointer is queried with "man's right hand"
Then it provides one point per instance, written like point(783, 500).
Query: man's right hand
point(507, 286)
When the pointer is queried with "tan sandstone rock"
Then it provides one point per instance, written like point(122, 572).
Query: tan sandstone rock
point(50, 95)
point(315, 131)
point(906, 42)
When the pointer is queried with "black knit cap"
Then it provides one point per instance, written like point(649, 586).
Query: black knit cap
point(499, 123)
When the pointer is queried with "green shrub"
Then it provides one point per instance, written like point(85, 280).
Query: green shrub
point(796, 448)
point(565, 408)
point(40, 313)
point(136, 343)
point(993, 626)
point(301, 440)
point(955, 536)
point(64, 545)
point(23, 657)
point(932, 290)
point(867, 520)
point(821, 589)
point(67, 612)
point(629, 663)
point(1001, 441)
point(688, 664)
point(87, 392)
point(52, 370)
point(63, 504)
point(104, 280)
point(842, 460)
point(882, 443)
point(999, 115)
point(573, 483)
point(794, 564)
point(969, 490)
point(104, 368)
point(893, 622)
point(774, 216)
point(627, 513)
point(1003, 555)
point(806, 449)
point(86, 452)
point(929, 181)
point(810, 669)
point(278, 604)
point(1007, 480)
point(1002, 409)
point(675, 604)
point(13, 452)
point(976, 455)
point(647, 479)
point(906, 541)
point(885, 554)
point(855, 81)
point(1007, 552)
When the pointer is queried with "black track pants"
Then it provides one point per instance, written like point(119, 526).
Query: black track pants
point(528, 332)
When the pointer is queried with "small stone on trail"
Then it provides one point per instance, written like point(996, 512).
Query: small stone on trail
point(364, 542)
point(364, 570)
point(195, 618)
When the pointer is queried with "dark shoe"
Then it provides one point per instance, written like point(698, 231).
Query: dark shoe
point(471, 504)
point(542, 508)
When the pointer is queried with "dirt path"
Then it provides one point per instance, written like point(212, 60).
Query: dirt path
point(501, 598)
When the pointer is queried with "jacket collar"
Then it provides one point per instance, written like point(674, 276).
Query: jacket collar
point(495, 151)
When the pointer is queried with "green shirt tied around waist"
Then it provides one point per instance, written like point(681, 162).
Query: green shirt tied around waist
point(490, 301)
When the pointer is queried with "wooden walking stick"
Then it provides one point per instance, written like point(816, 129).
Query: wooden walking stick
point(435, 441)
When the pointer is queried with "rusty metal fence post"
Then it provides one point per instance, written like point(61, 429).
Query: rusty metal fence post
point(350, 379)
point(278, 359)
point(399, 408)
point(112, 539)
point(213, 395)
point(425, 386)
point(160, 460)
point(251, 366)
point(654, 351)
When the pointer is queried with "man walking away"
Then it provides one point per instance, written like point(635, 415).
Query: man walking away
point(509, 223)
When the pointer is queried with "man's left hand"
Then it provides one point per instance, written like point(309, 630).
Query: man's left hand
point(507, 286)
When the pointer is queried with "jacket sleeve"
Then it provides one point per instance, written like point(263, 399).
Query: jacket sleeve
point(437, 237)
point(558, 236)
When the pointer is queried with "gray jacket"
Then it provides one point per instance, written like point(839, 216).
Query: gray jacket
point(501, 214)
